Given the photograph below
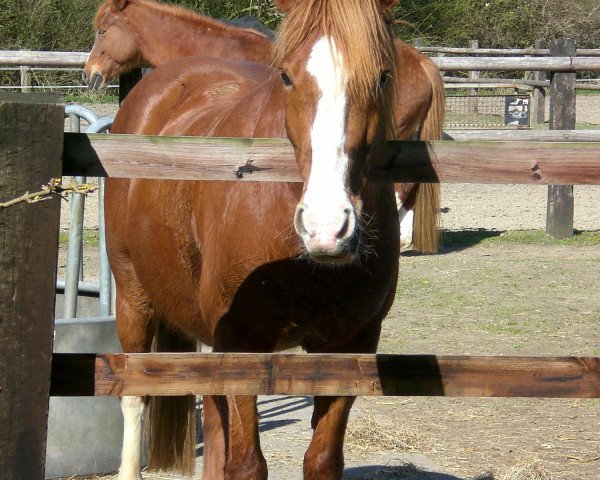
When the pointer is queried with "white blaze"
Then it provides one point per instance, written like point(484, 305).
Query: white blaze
point(325, 199)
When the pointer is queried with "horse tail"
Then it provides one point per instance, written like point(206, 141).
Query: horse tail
point(172, 420)
point(428, 198)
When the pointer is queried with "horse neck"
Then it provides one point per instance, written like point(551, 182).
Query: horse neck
point(180, 36)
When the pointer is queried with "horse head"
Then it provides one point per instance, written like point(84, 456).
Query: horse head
point(115, 48)
point(336, 67)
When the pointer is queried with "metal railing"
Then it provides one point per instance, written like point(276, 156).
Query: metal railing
point(73, 283)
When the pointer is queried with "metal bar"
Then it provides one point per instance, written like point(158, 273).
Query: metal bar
point(105, 273)
point(83, 320)
point(85, 287)
point(82, 112)
point(75, 246)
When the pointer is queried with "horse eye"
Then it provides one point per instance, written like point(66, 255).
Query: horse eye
point(101, 32)
point(286, 80)
point(385, 76)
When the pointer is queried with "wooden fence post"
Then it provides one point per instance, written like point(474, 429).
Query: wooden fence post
point(560, 206)
point(474, 74)
point(26, 79)
point(538, 113)
point(31, 154)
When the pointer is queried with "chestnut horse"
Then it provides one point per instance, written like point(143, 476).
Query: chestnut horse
point(144, 33)
point(261, 266)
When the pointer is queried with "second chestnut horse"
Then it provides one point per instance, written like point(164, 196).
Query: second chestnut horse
point(146, 33)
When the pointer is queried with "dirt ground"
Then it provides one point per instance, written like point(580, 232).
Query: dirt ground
point(482, 299)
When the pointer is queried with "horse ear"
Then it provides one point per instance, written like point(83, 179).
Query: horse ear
point(120, 4)
point(284, 5)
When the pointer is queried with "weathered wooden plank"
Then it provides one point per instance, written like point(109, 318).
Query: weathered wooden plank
point(327, 374)
point(560, 208)
point(30, 154)
point(538, 50)
point(494, 64)
point(184, 158)
point(467, 63)
point(34, 58)
point(523, 135)
point(188, 158)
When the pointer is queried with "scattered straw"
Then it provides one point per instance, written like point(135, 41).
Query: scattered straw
point(526, 471)
point(367, 434)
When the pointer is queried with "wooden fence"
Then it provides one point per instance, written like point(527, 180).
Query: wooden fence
point(28, 259)
point(563, 63)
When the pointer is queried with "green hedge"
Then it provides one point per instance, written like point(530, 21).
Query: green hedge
point(65, 25)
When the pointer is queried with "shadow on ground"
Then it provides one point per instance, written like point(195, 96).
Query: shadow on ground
point(405, 471)
point(459, 240)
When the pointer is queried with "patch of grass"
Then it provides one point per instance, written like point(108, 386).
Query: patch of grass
point(517, 237)
point(90, 237)
point(589, 93)
point(107, 96)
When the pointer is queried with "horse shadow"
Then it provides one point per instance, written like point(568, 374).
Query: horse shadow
point(269, 408)
point(459, 240)
point(403, 471)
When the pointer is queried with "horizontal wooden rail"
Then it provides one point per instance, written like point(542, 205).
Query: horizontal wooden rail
point(592, 52)
point(494, 64)
point(324, 374)
point(43, 59)
point(459, 82)
point(556, 64)
point(462, 134)
point(514, 162)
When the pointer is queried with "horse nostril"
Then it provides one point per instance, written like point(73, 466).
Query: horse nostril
point(298, 221)
point(345, 227)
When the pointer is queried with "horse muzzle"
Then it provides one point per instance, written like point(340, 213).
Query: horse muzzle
point(330, 238)
point(95, 81)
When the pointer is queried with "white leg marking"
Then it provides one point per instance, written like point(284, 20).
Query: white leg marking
point(406, 226)
point(325, 199)
point(134, 410)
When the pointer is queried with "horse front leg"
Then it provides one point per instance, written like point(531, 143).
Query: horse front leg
point(244, 460)
point(231, 440)
point(324, 459)
point(134, 410)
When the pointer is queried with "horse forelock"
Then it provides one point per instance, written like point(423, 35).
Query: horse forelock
point(100, 13)
point(361, 31)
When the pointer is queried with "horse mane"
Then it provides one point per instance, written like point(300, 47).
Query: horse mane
point(358, 28)
point(173, 10)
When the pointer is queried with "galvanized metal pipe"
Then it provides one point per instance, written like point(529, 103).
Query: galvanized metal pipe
point(75, 246)
point(82, 112)
point(102, 125)
point(76, 321)
point(72, 284)
point(86, 287)
point(105, 273)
